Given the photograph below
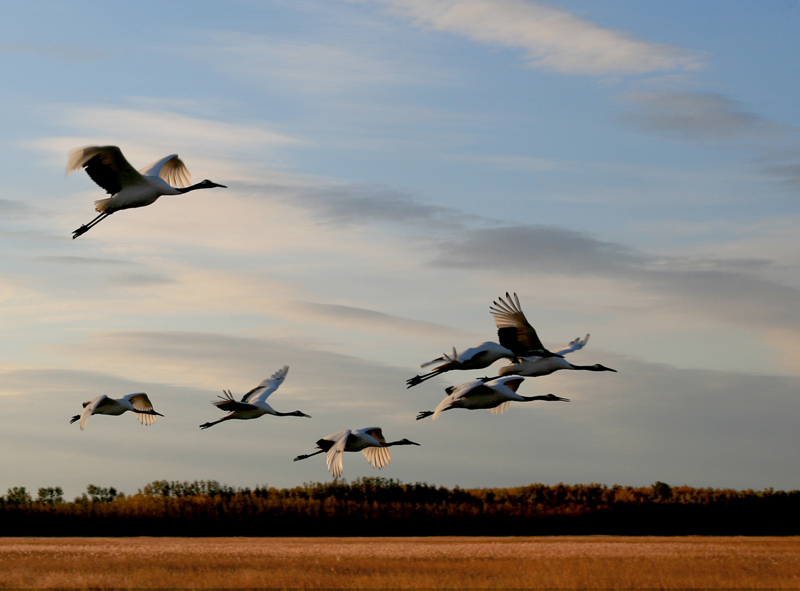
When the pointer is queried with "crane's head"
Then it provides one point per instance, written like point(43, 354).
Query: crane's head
point(207, 184)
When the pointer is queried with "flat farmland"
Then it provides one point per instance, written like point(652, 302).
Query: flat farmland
point(442, 562)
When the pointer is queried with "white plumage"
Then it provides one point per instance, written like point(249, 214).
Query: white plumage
point(138, 403)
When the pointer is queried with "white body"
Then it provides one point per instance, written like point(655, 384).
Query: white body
point(477, 357)
point(479, 395)
point(369, 441)
point(129, 188)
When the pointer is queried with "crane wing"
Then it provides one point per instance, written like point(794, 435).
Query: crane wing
point(106, 166)
point(334, 453)
point(513, 329)
point(575, 345)
point(261, 392)
point(140, 401)
point(230, 404)
point(171, 169)
point(379, 457)
point(89, 408)
point(501, 408)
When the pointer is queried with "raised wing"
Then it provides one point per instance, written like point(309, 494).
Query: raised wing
point(513, 329)
point(171, 169)
point(106, 166)
point(140, 401)
point(230, 404)
point(575, 345)
point(462, 389)
point(261, 392)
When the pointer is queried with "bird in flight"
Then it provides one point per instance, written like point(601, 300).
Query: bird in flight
point(493, 395)
point(517, 340)
point(369, 441)
point(103, 405)
point(128, 188)
point(254, 403)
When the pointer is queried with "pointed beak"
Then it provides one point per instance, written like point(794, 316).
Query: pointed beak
point(413, 443)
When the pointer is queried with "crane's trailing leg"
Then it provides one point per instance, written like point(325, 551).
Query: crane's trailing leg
point(86, 227)
point(303, 457)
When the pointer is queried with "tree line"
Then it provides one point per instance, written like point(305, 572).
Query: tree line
point(387, 507)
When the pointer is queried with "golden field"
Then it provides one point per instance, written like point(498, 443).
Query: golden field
point(443, 562)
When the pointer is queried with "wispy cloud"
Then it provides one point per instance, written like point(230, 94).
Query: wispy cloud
point(714, 119)
point(311, 67)
point(56, 52)
point(369, 320)
point(700, 117)
point(553, 39)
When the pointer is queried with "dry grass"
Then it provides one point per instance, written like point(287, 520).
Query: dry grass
point(448, 562)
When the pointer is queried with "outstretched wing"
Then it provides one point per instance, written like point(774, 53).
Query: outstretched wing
point(171, 169)
point(513, 329)
point(140, 401)
point(230, 404)
point(106, 166)
point(261, 392)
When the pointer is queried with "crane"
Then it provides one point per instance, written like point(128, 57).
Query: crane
point(128, 188)
point(254, 403)
point(493, 395)
point(103, 405)
point(369, 441)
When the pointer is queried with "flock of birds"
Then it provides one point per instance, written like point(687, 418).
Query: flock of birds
point(518, 341)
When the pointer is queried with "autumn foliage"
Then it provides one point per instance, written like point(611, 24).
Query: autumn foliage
point(386, 507)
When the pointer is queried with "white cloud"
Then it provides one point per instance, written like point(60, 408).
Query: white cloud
point(552, 39)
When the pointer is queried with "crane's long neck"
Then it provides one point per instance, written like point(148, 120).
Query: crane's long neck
point(295, 413)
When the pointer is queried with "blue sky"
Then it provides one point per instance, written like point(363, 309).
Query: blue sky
point(630, 170)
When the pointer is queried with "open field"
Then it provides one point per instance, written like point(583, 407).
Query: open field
point(594, 561)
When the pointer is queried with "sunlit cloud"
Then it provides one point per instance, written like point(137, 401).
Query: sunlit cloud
point(553, 39)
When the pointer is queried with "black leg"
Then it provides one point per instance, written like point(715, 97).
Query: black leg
point(86, 227)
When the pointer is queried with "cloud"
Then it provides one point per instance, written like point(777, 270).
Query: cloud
point(700, 117)
point(57, 52)
point(12, 209)
point(369, 320)
point(536, 248)
point(552, 38)
point(359, 204)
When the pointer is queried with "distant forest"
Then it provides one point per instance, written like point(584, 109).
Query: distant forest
point(386, 507)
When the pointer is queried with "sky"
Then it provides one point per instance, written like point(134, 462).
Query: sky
point(631, 170)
